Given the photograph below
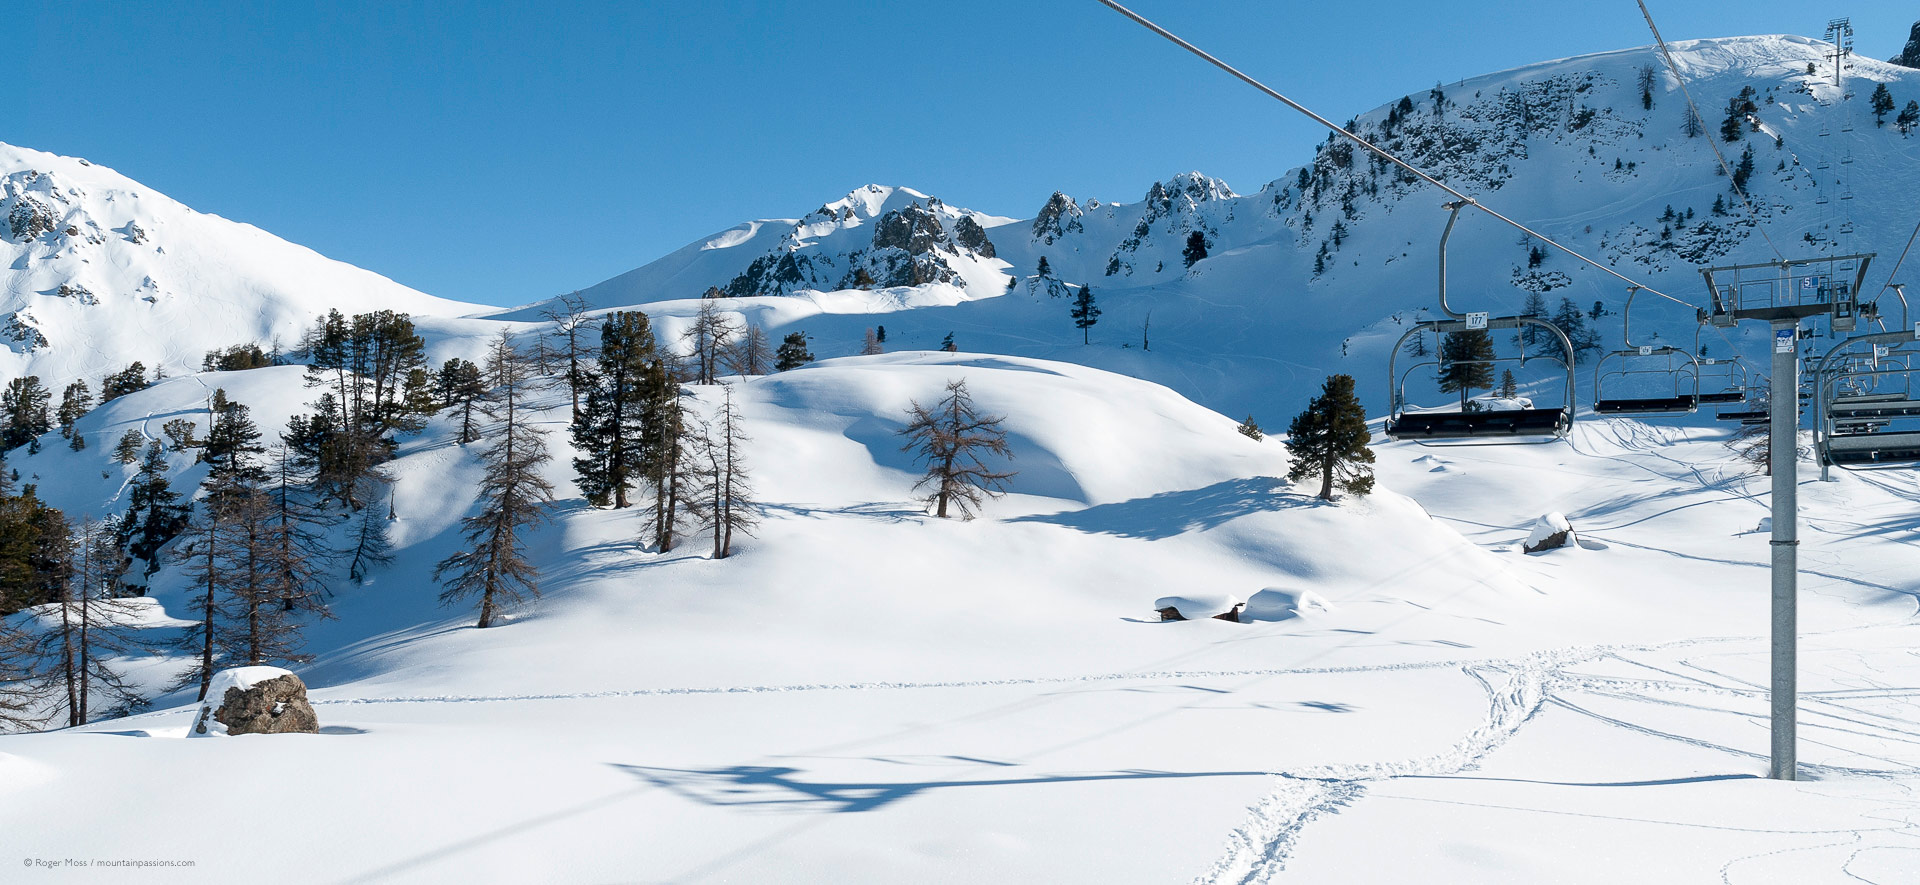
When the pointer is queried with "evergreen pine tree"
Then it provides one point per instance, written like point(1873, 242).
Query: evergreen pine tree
point(75, 402)
point(1085, 313)
point(154, 515)
point(233, 444)
point(1196, 248)
point(792, 353)
point(1909, 118)
point(131, 379)
point(1042, 269)
point(1329, 440)
point(24, 407)
point(495, 566)
point(610, 432)
point(951, 438)
point(1464, 364)
point(459, 385)
point(947, 345)
point(127, 450)
point(1509, 388)
point(1882, 104)
point(1251, 430)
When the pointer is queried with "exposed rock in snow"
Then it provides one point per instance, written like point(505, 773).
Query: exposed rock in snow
point(1550, 532)
point(262, 700)
point(1195, 606)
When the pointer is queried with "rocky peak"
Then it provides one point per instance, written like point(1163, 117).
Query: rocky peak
point(913, 228)
point(1059, 217)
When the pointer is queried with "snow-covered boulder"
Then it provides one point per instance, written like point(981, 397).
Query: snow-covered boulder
point(260, 700)
point(1550, 532)
point(1195, 606)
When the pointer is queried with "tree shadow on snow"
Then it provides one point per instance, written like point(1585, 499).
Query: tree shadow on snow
point(1175, 513)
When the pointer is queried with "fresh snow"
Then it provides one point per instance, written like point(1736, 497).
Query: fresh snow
point(863, 693)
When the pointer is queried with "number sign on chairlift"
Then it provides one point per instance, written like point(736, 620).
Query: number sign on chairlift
point(1646, 350)
point(1477, 319)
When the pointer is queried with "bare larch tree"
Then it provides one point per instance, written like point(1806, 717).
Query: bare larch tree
point(512, 494)
point(951, 437)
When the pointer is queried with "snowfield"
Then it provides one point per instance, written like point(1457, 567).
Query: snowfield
point(863, 693)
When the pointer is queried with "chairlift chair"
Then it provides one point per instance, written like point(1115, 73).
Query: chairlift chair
point(1866, 413)
point(1525, 425)
point(1630, 364)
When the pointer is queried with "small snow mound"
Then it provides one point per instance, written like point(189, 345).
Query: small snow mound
point(1549, 532)
point(1275, 604)
point(1195, 606)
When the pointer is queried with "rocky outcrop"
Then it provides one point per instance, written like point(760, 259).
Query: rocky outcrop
point(1910, 57)
point(270, 706)
point(969, 234)
point(1059, 217)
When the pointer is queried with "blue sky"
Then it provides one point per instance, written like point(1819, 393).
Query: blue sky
point(506, 152)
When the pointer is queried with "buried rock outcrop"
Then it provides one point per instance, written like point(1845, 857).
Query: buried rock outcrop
point(260, 700)
point(1550, 532)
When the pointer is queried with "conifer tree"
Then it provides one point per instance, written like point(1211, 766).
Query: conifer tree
point(459, 384)
point(495, 567)
point(1464, 358)
point(1535, 306)
point(1509, 388)
point(671, 448)
point(1574, 324)
point(131, 379)
point(1882, 104)
point(1251, 430)
point(792, 353)
point(1085, 313)
point(574, 328)
point(301, 552)
point(729, 490)
point(233, 446)
point(92, 628)
point(750, 353)
point(947, 345)
point(24, 407)
point(1042, 269)
point(870, 345)
point(202, 553)
point(22, 682)
point(1329, 440)
point(127, 450)
point(951, 437)
point(707, 341)
point(75, 402)
point(610, 433)
point(154, 515)
point(1196, 248)
point(33, 549)
point(1909, 118)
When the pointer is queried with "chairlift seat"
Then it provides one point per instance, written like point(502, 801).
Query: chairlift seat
point(1895, 406)
point(1657, 405)
point(1722, 397)
point(1874, 448)
point(1479, 425)
point(1742, 415)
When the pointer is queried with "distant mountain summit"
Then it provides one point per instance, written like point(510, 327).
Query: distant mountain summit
point(98, 271)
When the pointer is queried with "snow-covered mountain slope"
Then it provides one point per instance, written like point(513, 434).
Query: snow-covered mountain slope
point(868, 692)
point(1320, 270)
point(894, 236)
point(97, 271)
